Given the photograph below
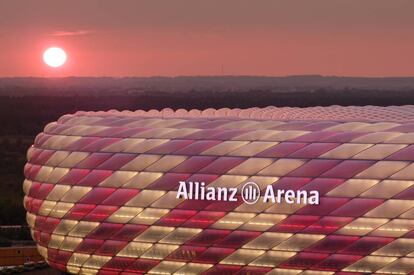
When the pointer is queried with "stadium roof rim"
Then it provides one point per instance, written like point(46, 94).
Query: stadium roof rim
point(332, 113)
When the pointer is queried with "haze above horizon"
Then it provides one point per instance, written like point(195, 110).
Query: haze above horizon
point(185, 37)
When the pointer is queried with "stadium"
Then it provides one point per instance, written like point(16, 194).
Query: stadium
point(102, 191)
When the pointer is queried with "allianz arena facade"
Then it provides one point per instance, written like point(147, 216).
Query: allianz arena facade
point(122, 192)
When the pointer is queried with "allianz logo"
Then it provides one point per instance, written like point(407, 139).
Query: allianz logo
point(250, 193)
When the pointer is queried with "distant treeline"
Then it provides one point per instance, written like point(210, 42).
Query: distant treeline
point(71, 86)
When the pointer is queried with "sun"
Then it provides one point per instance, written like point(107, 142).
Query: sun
point(54, 57)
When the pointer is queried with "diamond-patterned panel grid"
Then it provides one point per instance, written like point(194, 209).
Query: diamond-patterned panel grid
point(101, 191)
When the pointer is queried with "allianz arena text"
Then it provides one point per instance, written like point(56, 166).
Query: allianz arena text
point(138, 192)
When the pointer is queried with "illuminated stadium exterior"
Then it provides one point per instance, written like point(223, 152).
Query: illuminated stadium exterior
point(102, 191)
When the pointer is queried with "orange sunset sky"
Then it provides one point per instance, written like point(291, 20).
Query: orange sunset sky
point(214, 37)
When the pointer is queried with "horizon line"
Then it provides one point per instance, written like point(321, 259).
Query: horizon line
point(208, 76)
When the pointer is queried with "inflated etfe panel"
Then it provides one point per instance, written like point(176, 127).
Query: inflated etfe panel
point(229, 191)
